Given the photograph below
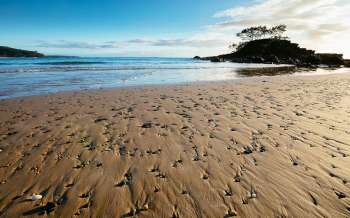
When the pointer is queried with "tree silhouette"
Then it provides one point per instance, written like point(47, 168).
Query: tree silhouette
point(278, 31)
point(259, 32)
point(262, 32)
point(233, 47)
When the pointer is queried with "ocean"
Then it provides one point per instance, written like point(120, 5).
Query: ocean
point(35, 76)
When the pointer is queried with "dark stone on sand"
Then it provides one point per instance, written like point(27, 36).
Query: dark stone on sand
point(248, 150)
point(237, 178)
point(100, 119)
point(340, 195)
point(147, 125)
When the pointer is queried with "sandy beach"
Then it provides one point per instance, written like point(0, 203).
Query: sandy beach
point(262, 147)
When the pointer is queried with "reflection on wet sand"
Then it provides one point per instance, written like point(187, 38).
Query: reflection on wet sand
point(275, 71)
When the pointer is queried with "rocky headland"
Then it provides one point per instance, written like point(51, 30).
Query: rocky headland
point(13, 52)
point(279, 51)
point(268, 45)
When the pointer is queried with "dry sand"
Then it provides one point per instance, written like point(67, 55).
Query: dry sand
point(267, 147)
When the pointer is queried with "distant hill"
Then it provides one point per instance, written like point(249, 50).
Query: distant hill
point(277, 51)
point(12, 52)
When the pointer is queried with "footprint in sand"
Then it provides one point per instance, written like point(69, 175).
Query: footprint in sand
point(228, 192)
point(127, 180)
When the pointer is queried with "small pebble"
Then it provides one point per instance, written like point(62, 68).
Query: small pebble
point(36, 197)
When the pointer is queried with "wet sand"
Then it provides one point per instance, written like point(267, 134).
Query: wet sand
point(267, 147)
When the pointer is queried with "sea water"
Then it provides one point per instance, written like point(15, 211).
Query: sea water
point(35, 76)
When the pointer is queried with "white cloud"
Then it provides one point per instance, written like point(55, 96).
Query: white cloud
point(190, 42)
point(65, 44)
point(204, 43)
point(322, 25)
point(316, 24)
point(179, 42)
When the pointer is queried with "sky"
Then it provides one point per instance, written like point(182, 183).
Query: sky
point(173, 28)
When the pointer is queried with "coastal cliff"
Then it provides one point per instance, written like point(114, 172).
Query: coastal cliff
point(277, 51)
point(12, 52)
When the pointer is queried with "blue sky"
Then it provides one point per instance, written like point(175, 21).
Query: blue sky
point(90, 18)
point(149, 27)
point(24, 22)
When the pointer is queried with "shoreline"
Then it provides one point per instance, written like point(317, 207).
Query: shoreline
point(238, 79)
point(277, 146)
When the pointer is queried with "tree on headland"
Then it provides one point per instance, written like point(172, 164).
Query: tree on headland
point(233, 47)
point(262, 44)
point(259, 32)
point(278, 31)
point(262, 32)
point(252, 33)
